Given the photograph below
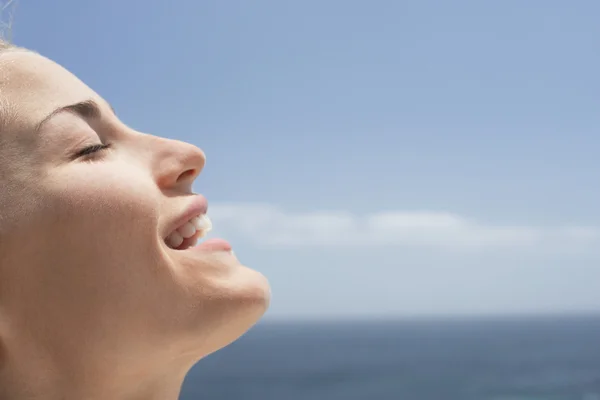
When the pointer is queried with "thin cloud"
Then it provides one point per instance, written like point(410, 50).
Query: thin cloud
point(268, 225)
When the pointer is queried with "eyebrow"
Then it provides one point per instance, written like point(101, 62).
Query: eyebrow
point(87, 109)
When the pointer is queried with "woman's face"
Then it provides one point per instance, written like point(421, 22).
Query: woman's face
point(83, 258)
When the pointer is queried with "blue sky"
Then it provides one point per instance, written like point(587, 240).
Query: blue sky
point(372, 158)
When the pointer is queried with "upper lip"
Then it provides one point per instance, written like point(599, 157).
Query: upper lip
point(196, 206)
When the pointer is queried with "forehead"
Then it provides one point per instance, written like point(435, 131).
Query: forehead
point(32, 86)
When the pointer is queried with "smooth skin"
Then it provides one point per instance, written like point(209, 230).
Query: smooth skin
point(93, 304)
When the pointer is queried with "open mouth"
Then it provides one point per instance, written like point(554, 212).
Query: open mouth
point(188, 234)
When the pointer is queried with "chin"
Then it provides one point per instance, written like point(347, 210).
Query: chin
point(249, 303)
point(250, 299)
point(227, 310)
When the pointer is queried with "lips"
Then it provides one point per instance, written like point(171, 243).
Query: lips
point(191, 225)
point(214, 245)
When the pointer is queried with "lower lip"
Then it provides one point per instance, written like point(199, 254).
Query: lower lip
point(213, 245)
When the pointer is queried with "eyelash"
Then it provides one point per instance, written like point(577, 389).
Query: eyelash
point(95, 148)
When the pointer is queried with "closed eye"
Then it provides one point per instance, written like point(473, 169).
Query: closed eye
point(91, 150)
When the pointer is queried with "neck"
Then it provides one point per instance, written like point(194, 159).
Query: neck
point(26, 373)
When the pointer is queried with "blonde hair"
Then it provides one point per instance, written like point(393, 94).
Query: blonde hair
point(7, 12)
point(4, 45)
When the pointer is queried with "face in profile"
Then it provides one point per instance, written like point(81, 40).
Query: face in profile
point(96, 224)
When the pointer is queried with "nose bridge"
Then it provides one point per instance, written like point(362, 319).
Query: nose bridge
point(176, 164)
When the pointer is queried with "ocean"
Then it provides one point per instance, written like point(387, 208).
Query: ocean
point(480, 359)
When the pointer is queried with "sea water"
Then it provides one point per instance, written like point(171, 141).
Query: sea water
point(452, 359)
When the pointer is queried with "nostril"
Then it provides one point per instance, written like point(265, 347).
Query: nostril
point(190, 174)
point(176, 163)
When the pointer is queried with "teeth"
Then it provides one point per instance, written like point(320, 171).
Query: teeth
point(174, 239)
point(200, 224)
point(188, 230)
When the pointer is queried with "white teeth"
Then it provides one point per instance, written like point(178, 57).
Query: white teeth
point(196, 222)
point(188, 230)
point(200, 224)
point(174, 240)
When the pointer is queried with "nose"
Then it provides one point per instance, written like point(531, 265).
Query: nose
point(177, 164)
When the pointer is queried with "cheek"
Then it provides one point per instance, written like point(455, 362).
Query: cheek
point(108, 195)
point(102, 214)
point(91, 237)
point(97, 240)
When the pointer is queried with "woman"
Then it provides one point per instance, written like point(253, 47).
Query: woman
point(101, 294)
